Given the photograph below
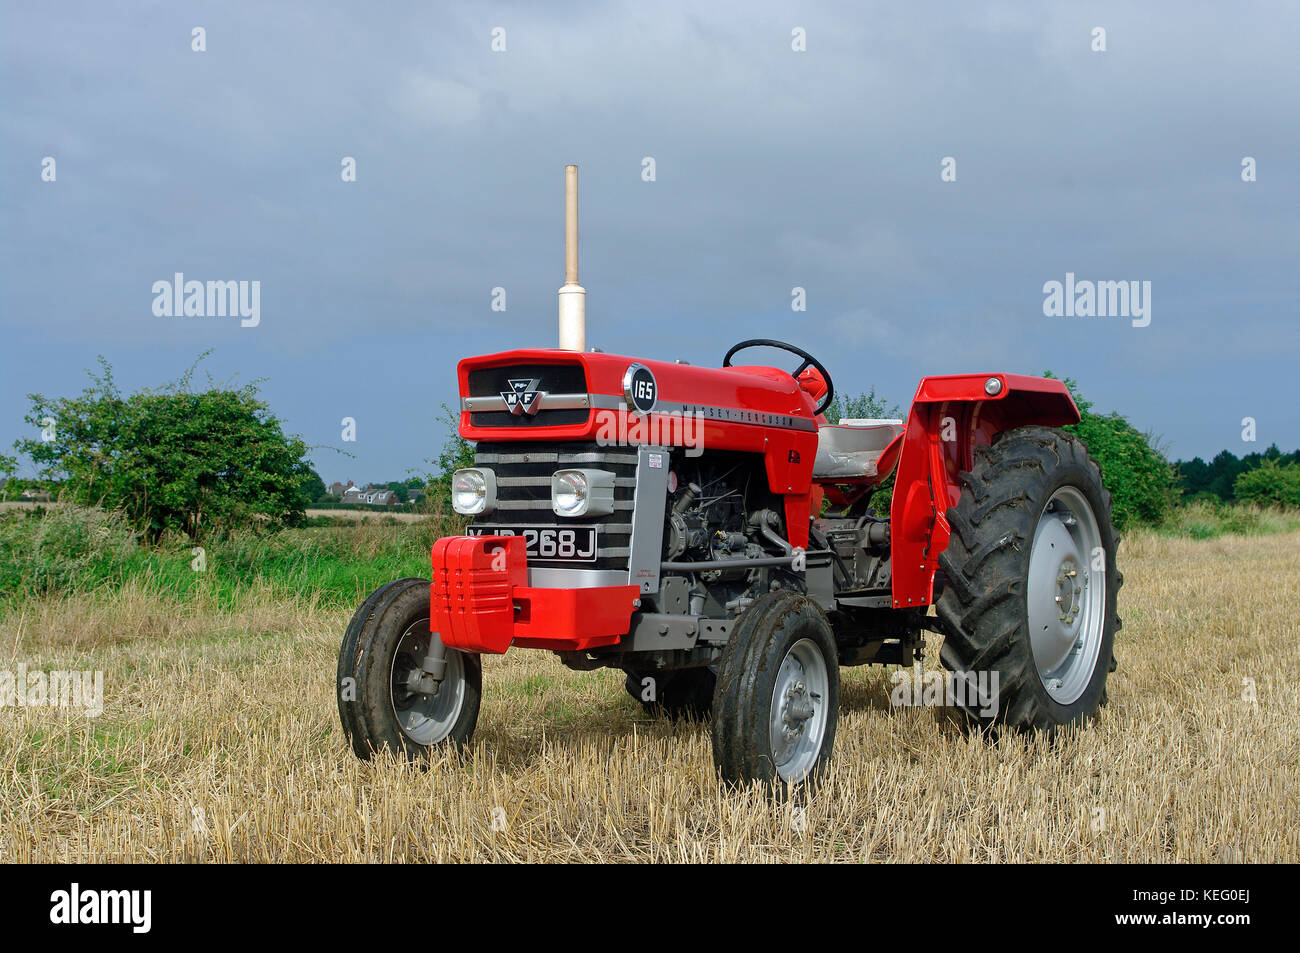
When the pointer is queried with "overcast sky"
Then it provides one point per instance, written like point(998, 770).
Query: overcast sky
point(774, 168)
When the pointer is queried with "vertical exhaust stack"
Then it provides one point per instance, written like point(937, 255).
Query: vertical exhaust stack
point(573, 297)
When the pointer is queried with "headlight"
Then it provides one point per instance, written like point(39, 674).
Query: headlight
point(582, 492)
point(473, 491)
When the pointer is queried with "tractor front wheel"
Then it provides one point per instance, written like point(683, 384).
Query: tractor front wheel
point(778, 694)
point(385, 702)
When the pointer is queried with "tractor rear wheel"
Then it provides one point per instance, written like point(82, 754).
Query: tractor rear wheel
point(676, 693)
point(778, 695)
point(1031, 582)
point(380, 704)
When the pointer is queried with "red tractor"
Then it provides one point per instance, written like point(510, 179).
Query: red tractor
point(706, 531)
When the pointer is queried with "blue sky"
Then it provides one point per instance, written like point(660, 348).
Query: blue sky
point(774, 169)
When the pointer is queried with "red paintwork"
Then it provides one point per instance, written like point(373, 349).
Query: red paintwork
point(927, 481)
point(479, 601)
point(811, 380)
point(787, 454)
point(470, 599)
point(573, 620)
point(928, 464)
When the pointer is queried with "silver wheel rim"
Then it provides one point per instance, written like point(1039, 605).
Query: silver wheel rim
point(1067, 595)
point(798, 720)
point(425, 719)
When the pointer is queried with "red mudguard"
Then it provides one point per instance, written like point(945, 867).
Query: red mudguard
point(480, 601)
point(950, 417)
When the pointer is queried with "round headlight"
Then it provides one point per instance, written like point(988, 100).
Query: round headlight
point(569, 493)
point(468, 492)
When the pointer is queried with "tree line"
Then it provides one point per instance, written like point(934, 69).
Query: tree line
point(1270, 476)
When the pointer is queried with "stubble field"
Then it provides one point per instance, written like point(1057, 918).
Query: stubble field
point(219, 741)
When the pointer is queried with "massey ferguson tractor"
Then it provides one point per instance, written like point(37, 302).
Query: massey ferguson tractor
point(707, 531)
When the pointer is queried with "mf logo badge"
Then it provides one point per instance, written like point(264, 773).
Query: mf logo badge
point(523, 397)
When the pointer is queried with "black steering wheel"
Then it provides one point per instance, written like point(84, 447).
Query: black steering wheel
point(808, 359)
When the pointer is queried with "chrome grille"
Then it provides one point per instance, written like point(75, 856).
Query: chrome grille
point(523, 473)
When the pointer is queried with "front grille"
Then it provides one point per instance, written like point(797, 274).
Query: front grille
point(551, 378)
point(523, 472)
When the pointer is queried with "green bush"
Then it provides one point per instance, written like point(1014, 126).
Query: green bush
point(1142, 483)
point(1269, 484)
point(456, 453)
point(1140, 480)
point(64, 547)
point(172, 459)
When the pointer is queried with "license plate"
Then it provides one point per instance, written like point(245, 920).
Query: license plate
point(570, 544)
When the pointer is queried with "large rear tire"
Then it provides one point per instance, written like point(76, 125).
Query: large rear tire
point(1031, 582)
point(385, 643)
point(778, 695)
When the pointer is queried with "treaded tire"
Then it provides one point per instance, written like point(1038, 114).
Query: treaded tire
point(984, 608)
point(365, 697)
point(352, 728)
point(679, 693)
point(747, 675)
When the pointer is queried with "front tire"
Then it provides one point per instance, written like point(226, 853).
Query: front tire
point(778, 695)
point(1031, 582)
point(385, 643)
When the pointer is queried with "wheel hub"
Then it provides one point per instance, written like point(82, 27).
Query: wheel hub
point(1066, 601)
point(426, 717)
point(798, 721)
point(798, 707)
point(1068, 587)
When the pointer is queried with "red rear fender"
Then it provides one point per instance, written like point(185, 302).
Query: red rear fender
point(951, 416)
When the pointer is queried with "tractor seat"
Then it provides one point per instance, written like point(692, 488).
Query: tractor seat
point(852, 448)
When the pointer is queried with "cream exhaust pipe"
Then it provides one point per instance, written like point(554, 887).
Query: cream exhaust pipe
point(573, 297)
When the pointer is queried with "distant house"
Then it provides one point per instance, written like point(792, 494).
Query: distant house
point(414, 496)
point(36, 496)
point(370, 496)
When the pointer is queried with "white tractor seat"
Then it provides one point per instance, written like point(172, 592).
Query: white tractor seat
point(852, 448)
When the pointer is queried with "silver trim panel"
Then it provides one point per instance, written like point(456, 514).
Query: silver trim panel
point(546, 481)
point(709, 412)
point(547, 578)
point(625, 505)
point(598, 457)
point(544, 456)
point(732, 415)
point(543, 401)
point(648, 507)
